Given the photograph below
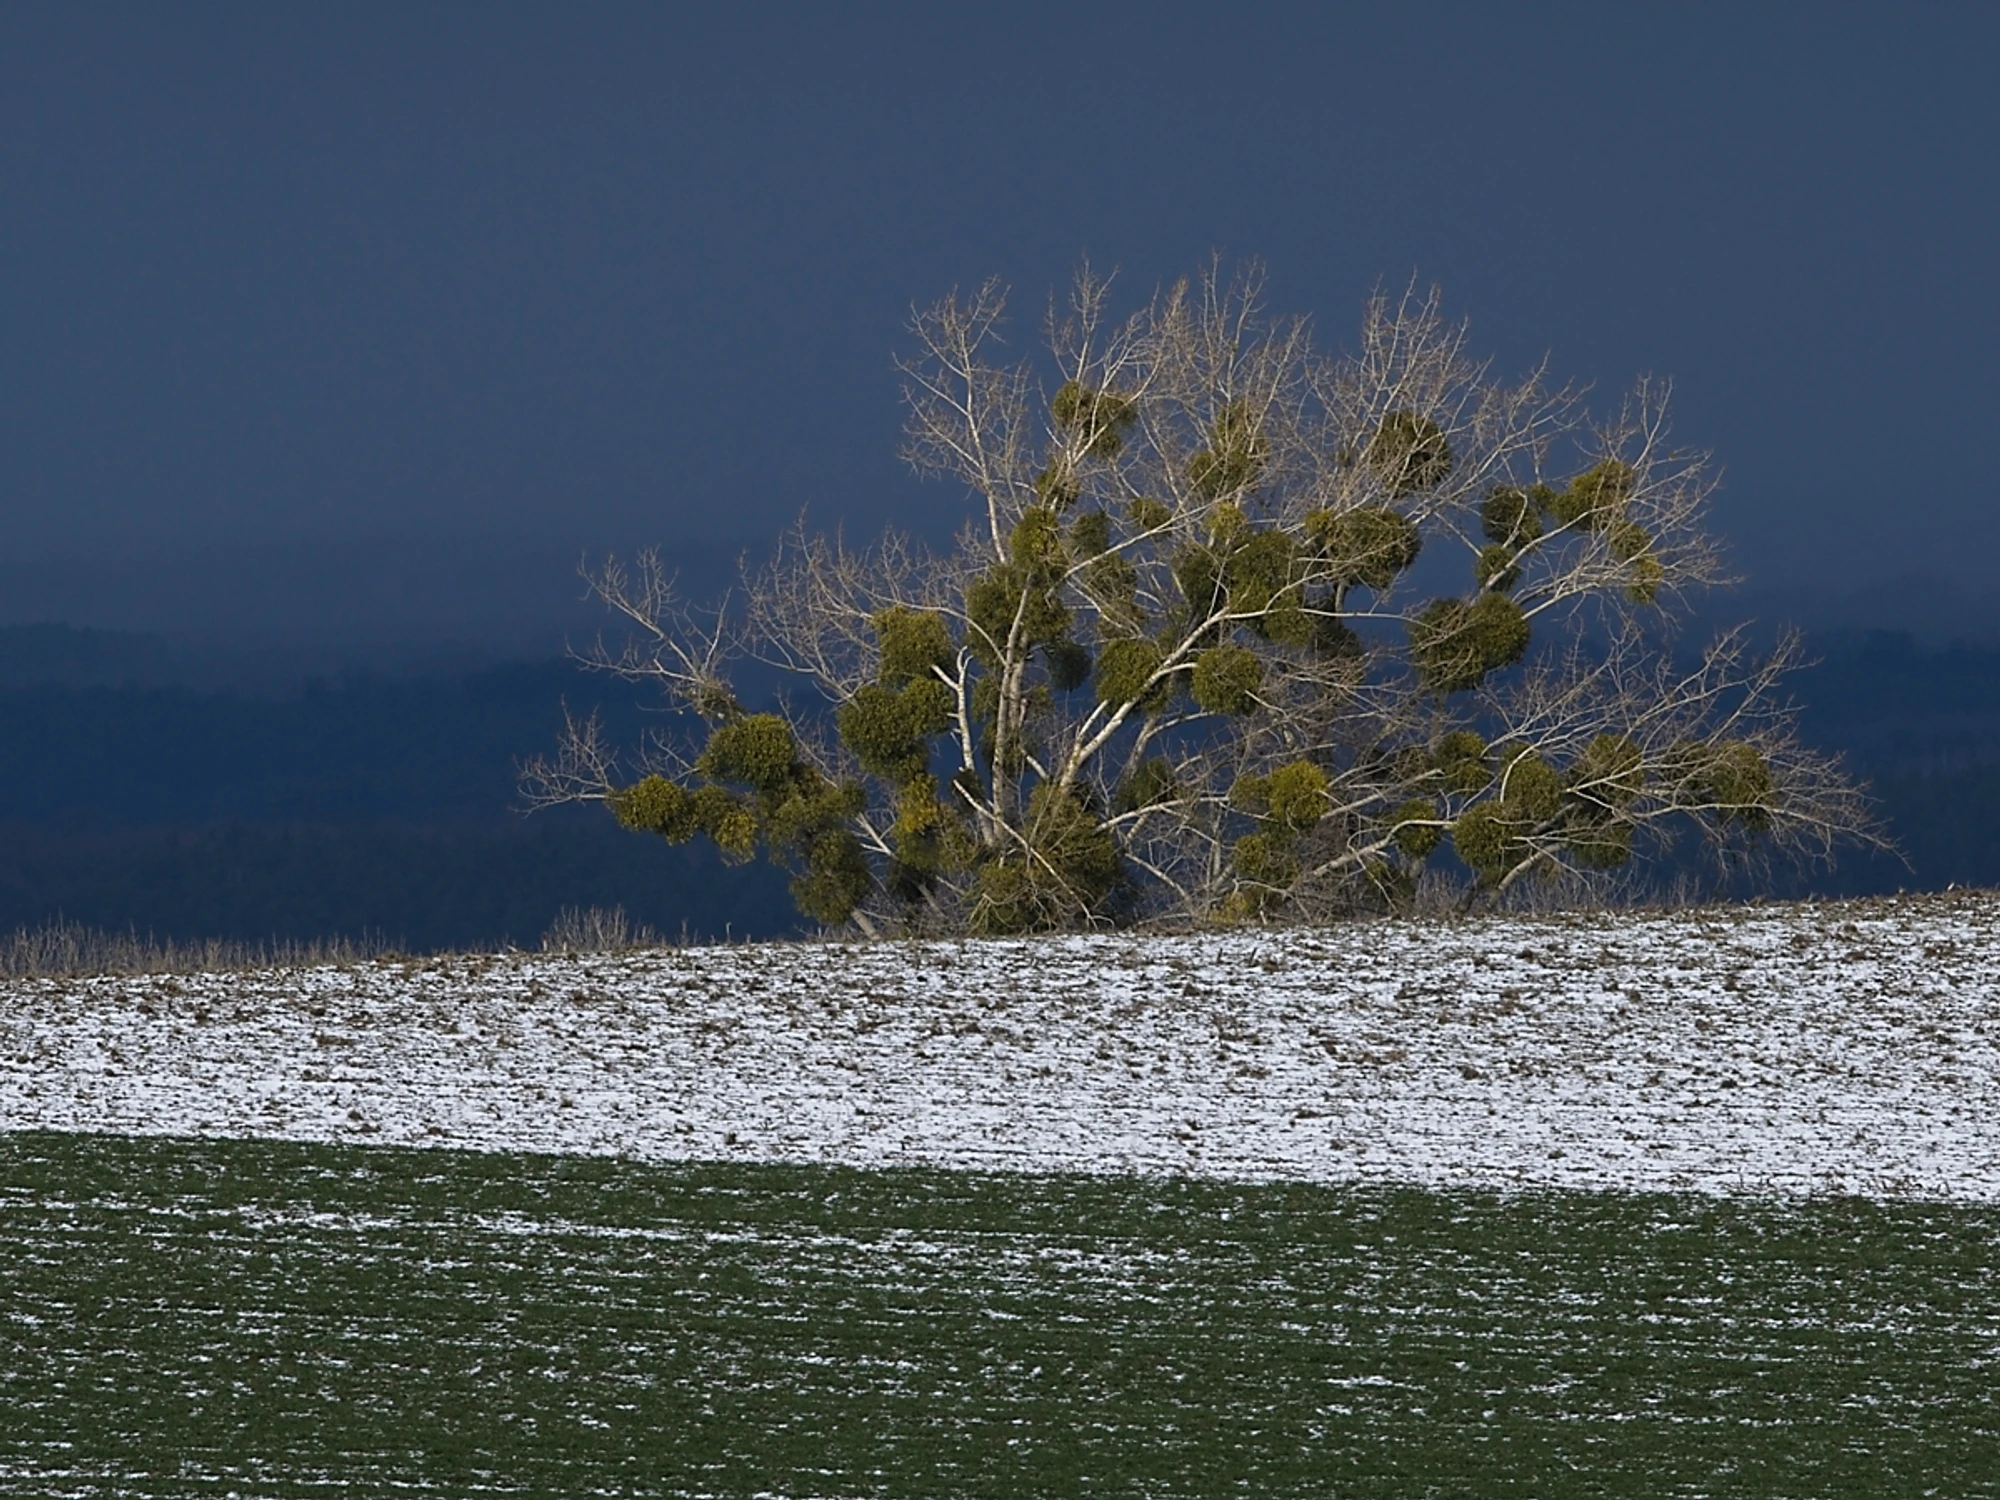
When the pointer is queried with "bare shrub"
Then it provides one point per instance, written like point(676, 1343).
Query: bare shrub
point(596, 929)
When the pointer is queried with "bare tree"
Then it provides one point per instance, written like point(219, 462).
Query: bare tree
point(1234, 629)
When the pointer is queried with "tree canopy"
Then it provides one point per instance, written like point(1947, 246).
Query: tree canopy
point(1235, 629)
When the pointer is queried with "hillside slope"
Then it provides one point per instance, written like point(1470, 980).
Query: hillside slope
point(1844, 1048)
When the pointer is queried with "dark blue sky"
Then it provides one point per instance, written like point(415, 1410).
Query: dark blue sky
point(364, 323)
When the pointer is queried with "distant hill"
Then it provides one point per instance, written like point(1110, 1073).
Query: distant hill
point(385, 806)
point(388, 804)
point(416, 888)
point(1896, 707)
point(68, 656)
point(421, 751)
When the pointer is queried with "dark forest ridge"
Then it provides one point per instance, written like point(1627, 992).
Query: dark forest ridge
point(385, 803)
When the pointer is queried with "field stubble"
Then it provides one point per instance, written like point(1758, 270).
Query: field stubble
point(1835, 1049)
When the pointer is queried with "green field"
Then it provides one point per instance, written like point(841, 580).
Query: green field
point(248, 1318)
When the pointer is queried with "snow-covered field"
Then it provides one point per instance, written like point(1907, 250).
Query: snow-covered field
point(1848, 1048)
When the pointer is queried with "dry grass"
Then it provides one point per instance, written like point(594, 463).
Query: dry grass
point(66, 949)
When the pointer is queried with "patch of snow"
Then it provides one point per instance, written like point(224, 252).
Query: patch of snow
point(1841, 1048)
